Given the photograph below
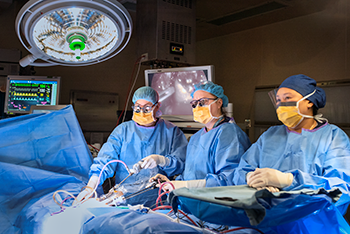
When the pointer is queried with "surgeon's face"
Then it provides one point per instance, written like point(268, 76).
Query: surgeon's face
point(147, 105)
point(215, 108)
point(290, 95)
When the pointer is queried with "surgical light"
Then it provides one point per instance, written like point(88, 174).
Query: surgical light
point(72, 32)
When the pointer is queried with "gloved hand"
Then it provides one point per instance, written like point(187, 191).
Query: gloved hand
point(136, 168)
point(163, 179)
point(87, 191)
point(264, 177)
point(160, 177)
point(153, 160)
point(186, 183)
point(177, 183)
point(270, 188)
point(248, 175)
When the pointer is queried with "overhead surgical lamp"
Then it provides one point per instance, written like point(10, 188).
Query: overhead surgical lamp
point(72, 32)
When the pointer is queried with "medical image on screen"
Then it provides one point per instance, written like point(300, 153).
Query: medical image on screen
point(175, 90)
point(24, 93)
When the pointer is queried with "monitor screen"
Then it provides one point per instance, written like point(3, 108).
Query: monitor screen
point(175, 86)
point(24, 91)
point(39, 109)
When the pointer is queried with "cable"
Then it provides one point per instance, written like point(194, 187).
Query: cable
point(164, 183)
point(162, 207)
point(63, 191)
point(93, 189)
point(130, 91)
point(98, 150)
point(159, 199)
point(240, 228)
point(130, 87)
point(159, 192)
point(124, 108)
point(183, 213)
point(99, 177)
point(160, 189)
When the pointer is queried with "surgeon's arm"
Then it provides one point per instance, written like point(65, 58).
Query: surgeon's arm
point(176, 159)
point(335, 169)
point(88, 190)
point(248, 163)
point(109, 151)
point(175, 184)
point(228, 150)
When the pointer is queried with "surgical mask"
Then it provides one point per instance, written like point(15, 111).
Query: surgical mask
point(143, 118)
point(202, 114)
point(288, 112)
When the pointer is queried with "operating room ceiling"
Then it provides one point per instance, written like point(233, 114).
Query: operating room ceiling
point(221, 17)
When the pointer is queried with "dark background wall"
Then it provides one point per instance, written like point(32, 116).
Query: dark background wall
point(316, 45)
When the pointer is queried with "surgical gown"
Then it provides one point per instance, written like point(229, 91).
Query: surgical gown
point(214, 155)
point(318, 158)
point(131, 142)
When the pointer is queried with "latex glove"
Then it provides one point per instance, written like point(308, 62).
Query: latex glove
point(87, 191)
point(270, 188)
point(163, 179)
point(160, 177)
point(248, 175)
point(177, 183)
point(264, 177)
point(153, 160)
point(136, 168)
point(184, 183)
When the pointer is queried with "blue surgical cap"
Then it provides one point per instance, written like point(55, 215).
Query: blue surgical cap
point(146, 93)
point(212, 88)
point(306, 85)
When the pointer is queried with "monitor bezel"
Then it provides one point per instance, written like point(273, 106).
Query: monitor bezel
point(24, 78)
point(45, 108)
point(186, 119)
point(209, 68)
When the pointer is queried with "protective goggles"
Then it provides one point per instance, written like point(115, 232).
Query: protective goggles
point(201, 102)
point(145, 109)
point(272, 95)
point(276, 103)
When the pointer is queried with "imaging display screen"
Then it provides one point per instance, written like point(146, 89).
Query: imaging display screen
point(22, 93)
point(175, 87)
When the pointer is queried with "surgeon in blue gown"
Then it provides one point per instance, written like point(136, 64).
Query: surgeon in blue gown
point(158, 143)
point(305, 152)
point(213, 152)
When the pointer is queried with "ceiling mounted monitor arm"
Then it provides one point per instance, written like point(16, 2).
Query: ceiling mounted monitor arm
point(72, 32)
point(29, 60)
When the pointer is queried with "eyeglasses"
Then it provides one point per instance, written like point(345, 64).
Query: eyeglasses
point(145, 109)
point(201, 102)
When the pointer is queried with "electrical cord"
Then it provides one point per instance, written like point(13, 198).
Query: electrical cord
point(99, 177)
point(132, 75)
point(61, 191)
point(185, 215)
point(240, 228)
point(180, 211)
point(98, 150)
point(131, 87)
point(93, 192)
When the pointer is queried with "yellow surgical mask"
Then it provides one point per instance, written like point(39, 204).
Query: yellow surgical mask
point(289, 116)
point(288, 112)
point(143, 118)
point(202, 114)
